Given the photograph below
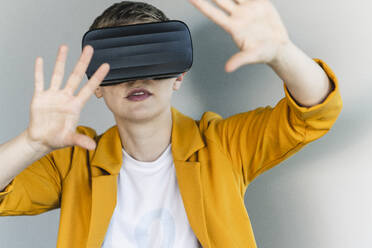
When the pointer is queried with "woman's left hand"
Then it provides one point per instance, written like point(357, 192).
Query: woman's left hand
point(254, 25)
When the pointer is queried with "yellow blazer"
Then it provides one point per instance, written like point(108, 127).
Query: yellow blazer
point(215, 159)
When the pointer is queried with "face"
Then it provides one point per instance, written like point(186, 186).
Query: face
point(115, 97)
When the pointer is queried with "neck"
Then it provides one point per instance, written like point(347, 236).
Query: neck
point(146, 141)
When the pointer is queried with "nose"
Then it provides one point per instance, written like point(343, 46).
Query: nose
point(138, 82)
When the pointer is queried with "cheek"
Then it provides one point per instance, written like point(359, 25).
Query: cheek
point(164, 89)
point(113, 98)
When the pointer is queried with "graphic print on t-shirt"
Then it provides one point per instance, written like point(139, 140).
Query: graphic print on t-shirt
point(145, 235)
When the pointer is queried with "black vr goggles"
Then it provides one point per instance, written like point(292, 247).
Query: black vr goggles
point(140, 51)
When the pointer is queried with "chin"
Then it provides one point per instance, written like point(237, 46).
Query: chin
point(139, 114)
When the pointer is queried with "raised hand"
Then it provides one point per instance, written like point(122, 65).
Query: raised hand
point(54, 113)
point(254, 25)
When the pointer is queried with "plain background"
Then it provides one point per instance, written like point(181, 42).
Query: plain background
point(320, 197)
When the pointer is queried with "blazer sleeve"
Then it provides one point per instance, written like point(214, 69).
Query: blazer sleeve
point(38, 187)
point(257, 140)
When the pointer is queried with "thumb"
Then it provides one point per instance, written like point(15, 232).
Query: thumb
point(83, 141)
point(241, 58)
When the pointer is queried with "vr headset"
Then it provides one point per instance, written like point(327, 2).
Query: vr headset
point(154, 50)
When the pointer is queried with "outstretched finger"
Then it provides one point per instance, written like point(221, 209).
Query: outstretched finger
point(227, 5)
point(242, 58)
point(77, 139)
point(83, 141)
point(79, 70)
point(39, 75)
point(93, 82)
point(59, 68)
point(215, 14)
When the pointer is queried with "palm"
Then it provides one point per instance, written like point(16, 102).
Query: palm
point(57, 114)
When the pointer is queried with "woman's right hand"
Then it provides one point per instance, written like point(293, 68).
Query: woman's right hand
point(54, 113)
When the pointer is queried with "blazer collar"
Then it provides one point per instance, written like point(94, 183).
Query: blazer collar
point(108, 154)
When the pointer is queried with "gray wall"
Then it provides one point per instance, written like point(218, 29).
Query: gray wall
point(320, 197)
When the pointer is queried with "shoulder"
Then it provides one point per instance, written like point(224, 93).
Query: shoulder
point(207, 119)
point(211, 118)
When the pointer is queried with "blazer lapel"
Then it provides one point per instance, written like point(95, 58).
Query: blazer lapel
point(106, 164)
point(105, 168)
point(186, 141)
point(103, 205)
point(188, 177)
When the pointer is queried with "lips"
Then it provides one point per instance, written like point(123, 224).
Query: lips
point(131, 92)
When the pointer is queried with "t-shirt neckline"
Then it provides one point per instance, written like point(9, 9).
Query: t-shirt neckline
point(154, 163)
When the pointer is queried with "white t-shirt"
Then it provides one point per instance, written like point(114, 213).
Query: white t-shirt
point(149, 212)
